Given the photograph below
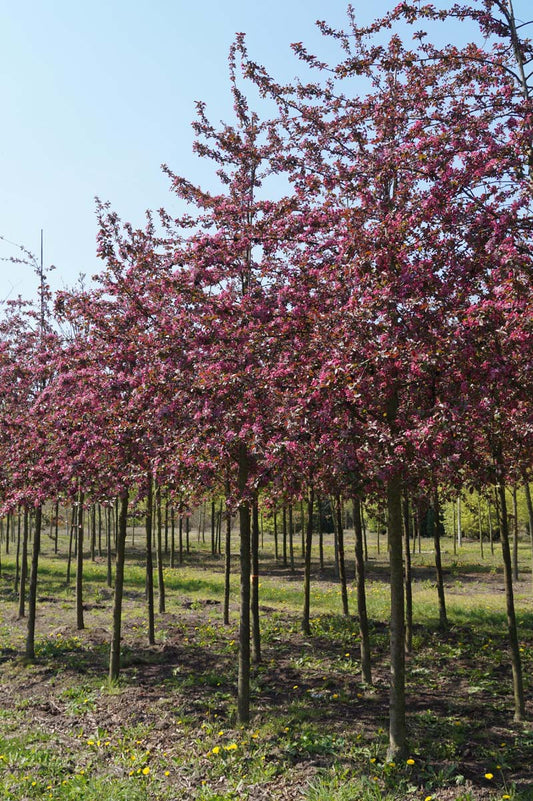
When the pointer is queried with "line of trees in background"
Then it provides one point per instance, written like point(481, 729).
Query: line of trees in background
point(368, 335)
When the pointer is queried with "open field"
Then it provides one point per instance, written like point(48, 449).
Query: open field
point(167, 730)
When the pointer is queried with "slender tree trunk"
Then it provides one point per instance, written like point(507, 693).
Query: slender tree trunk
point(530, 518)
point(243, 689)
point(516, 665)
point(187, 532)
point(320, 533)
point(108, 546)
point(227, 562)
point(93, 533)
point(397, 725)
point(213, 538)
point(341, 560)
point(149, 563)
point(437, 530)
point(32, 594)
point(17, 560)
point(284, 536)
point(491, 536)
point(454, 527)
point(291, 538)
point(306, 628)
point(100, 530)
point(24, 564)
point(166, 527)
point(361, 592)
point(114, 654)
point(254, 607)
point(480, 527)
point(115, 529)
point(515, 536)
point(275, 518)
point(180, 540)
point(172, 537)
point(79, 565)
point(363, 526)
point(302, 528)
point(56, 527)
point(408, 578)
point(70, 539)
point(159, 553)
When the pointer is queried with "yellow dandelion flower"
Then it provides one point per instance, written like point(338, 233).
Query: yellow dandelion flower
point(410, 762)
point(489, 776)
point(231, 747)
point(167, 773)
point(146, 771)
point(216, 749)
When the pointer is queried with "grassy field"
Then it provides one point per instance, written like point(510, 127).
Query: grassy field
point(167, 730)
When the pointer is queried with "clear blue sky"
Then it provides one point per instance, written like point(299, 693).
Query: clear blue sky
point(95, 96)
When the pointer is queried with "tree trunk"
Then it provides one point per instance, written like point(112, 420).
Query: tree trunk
point(530, 518)
point(256, 630)
point(79, 565)
point(149, 563)
point(397, 726)
point(302, 528)
point(480, 527)
point(227, 562)
point(93, 533)
point(243, 688)
point(284, 536)
point(172, 537)
point(213, 529)
point(340, 556)
point(17, 559)
point(99, 529)
point(306, 628)
point(516, 665)
point(32, 595)
point(108, 546)
point(159, 553)
point(275, 518)
point(114, 654)
point(70, 539)
point(515, 536)
point(361, 592)
point(437, 529)
point(320, 533)
point(408, 578)
point(291, 538)
point(24, 564)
